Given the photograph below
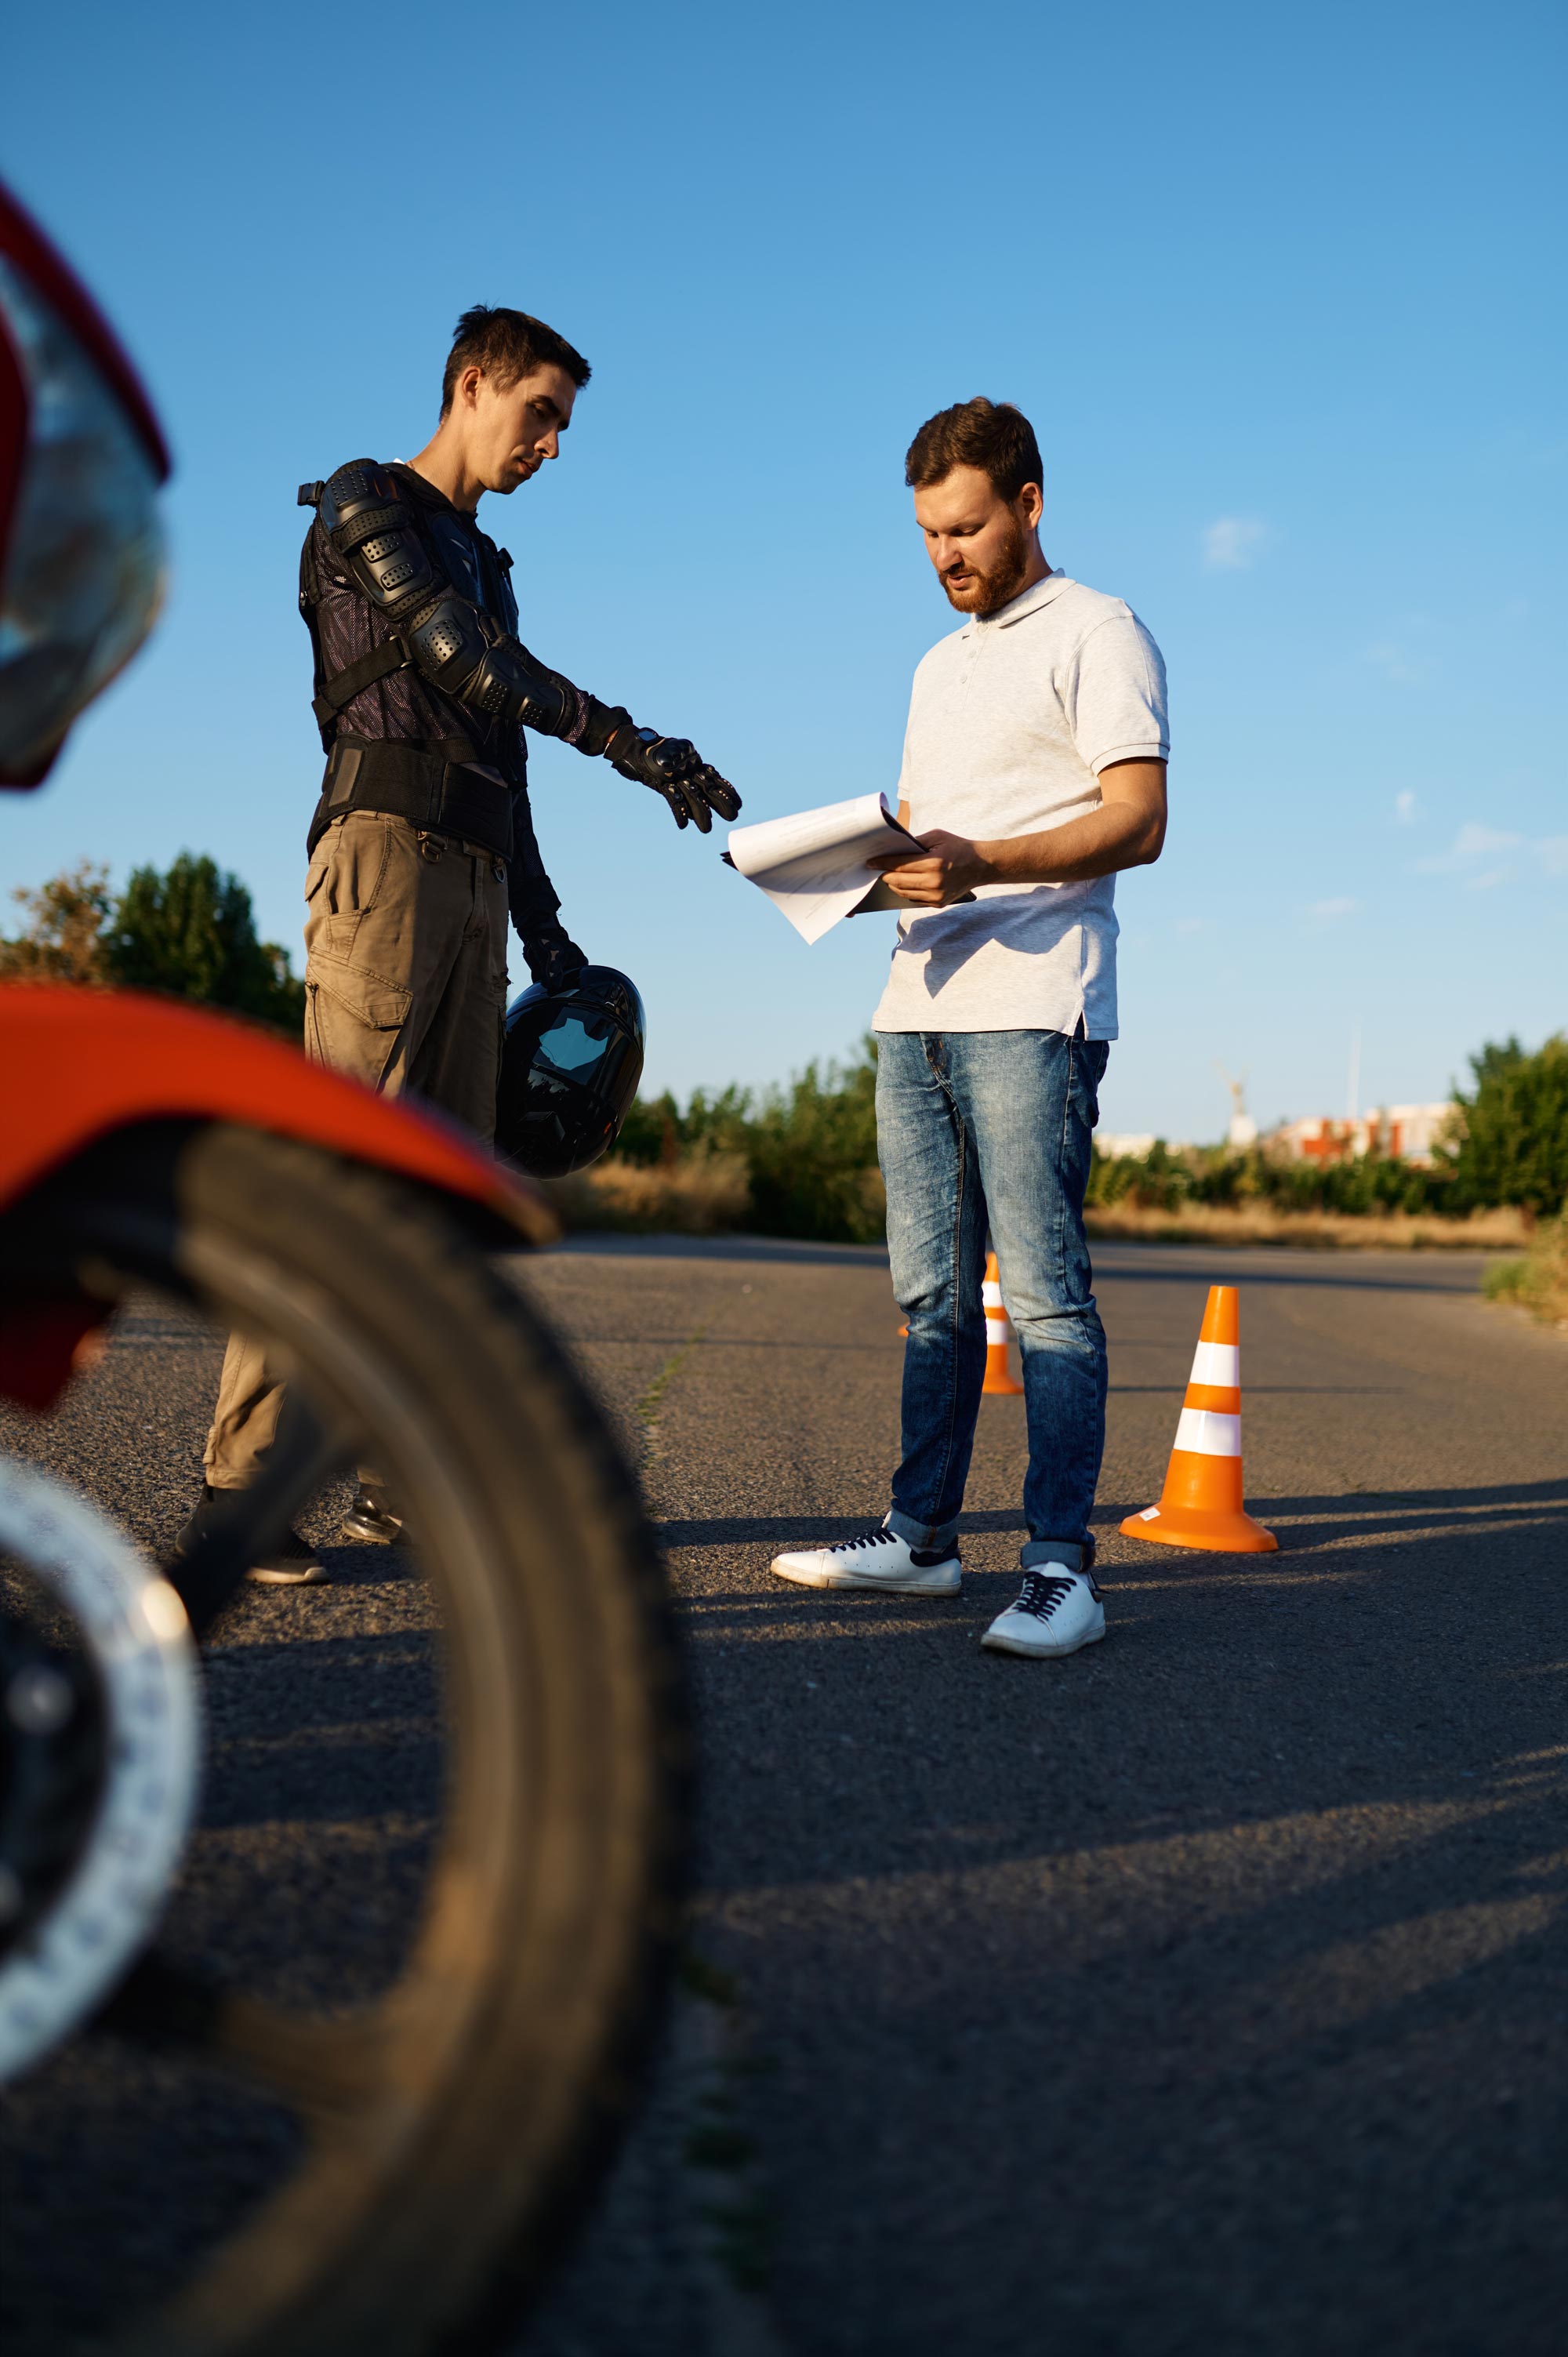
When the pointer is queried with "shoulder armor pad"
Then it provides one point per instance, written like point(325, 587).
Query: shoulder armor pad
point(356, 490)
point(375, 533)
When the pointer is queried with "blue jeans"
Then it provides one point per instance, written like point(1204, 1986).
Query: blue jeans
point(978, 1130)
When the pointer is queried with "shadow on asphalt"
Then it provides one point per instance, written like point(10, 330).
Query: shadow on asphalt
point(1354, 1515)
point(1322, 1706)
point(1371, 1514)
point(327, 1731)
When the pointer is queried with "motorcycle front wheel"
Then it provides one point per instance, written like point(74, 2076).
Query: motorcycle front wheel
point(449, 2128)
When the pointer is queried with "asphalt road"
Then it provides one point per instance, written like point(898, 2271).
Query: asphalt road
point(1205, 1993)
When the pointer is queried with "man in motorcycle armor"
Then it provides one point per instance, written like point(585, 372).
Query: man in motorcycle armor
point(423, 845)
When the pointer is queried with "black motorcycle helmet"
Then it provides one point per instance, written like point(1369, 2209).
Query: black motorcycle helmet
point(570, 1067)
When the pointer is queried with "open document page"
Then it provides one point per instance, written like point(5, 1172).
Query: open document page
point(816, 866)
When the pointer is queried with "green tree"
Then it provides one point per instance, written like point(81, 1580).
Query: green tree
point(191, 934)
point(810, 1149)
point(814, 1155)
point(62, 938)
point(1513, 1146)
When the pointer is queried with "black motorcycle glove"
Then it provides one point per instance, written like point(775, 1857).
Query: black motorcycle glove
point(673, 767)
point(553, 957)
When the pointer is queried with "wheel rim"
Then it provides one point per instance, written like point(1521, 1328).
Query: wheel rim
point(136, 1639)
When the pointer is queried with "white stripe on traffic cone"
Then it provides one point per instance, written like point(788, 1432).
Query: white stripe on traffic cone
point(999, 1380)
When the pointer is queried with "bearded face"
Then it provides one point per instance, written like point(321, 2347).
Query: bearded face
point(973, 586)
point(984, 546)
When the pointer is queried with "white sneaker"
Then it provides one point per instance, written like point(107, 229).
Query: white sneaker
point(880, 1559)
point(1057, 1610)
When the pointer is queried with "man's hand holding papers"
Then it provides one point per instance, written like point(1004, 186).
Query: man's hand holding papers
point(943, 869)
point(1127, 831)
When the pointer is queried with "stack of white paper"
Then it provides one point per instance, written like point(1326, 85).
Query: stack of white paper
point(816, 866)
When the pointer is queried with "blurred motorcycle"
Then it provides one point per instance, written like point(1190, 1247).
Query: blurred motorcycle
point(426, 2139)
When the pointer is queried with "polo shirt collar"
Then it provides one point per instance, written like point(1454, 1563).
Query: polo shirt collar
point(1028, 601)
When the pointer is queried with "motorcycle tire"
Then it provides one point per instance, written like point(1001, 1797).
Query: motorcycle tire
point(459, 2125)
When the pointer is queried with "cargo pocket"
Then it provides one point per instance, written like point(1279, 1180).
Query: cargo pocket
point(355, 878)
point(315, 883)
point(353, 1020)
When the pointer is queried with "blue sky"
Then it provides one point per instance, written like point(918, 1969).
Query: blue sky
point(1281, 290)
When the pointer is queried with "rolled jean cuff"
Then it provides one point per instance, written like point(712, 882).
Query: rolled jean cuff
point(1066, 1552)
point(928, 1537)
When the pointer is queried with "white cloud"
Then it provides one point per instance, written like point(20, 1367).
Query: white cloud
point(1397, 663)
point(1406, 807)
point(1475, 841)
point(1232, 542)
point(1477, 856)
point(1471, 843)
point(1332, 912)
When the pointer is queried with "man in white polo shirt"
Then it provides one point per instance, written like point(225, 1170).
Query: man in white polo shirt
point(1033, 771)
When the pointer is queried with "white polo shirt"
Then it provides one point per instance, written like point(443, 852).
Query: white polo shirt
point(1012, 719)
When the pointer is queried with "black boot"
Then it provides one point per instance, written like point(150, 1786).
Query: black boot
point(371, 1517)
point(290, 1564)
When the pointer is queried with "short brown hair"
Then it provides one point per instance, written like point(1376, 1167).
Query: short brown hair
point(990, 435)
point(506, 345)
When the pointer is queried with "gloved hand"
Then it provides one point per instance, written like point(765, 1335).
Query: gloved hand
point(673, 767)
point(553, 958)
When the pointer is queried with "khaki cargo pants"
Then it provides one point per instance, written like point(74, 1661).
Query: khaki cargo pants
point(406, 975)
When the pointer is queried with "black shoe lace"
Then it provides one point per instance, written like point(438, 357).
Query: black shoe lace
point(878, 1537)
point(1041, 1593)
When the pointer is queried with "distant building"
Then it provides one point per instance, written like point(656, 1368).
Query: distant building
point(1412, 1133)
point(1132, 1143)
point(1402, 1133)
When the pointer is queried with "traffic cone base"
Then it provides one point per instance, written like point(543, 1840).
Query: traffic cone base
point(1192, 1526)
point(1200, 1505)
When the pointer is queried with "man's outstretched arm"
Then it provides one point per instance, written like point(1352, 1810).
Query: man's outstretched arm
point(1128, 830)
point(373, 532)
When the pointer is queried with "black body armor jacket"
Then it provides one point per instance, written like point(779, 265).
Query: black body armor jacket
point(423, 689)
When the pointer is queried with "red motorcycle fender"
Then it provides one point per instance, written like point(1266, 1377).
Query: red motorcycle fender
point(78, 1063)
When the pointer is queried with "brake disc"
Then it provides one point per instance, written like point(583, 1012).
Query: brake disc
point(99, 1744)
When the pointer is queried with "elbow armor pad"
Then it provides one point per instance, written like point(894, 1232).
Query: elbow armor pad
point(448, 644)
point(501, 683)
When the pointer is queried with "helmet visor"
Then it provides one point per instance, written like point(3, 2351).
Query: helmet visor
point(570, 1068)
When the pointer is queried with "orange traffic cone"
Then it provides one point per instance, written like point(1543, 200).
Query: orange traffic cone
point(1200, 1505)
point(998, 1334)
